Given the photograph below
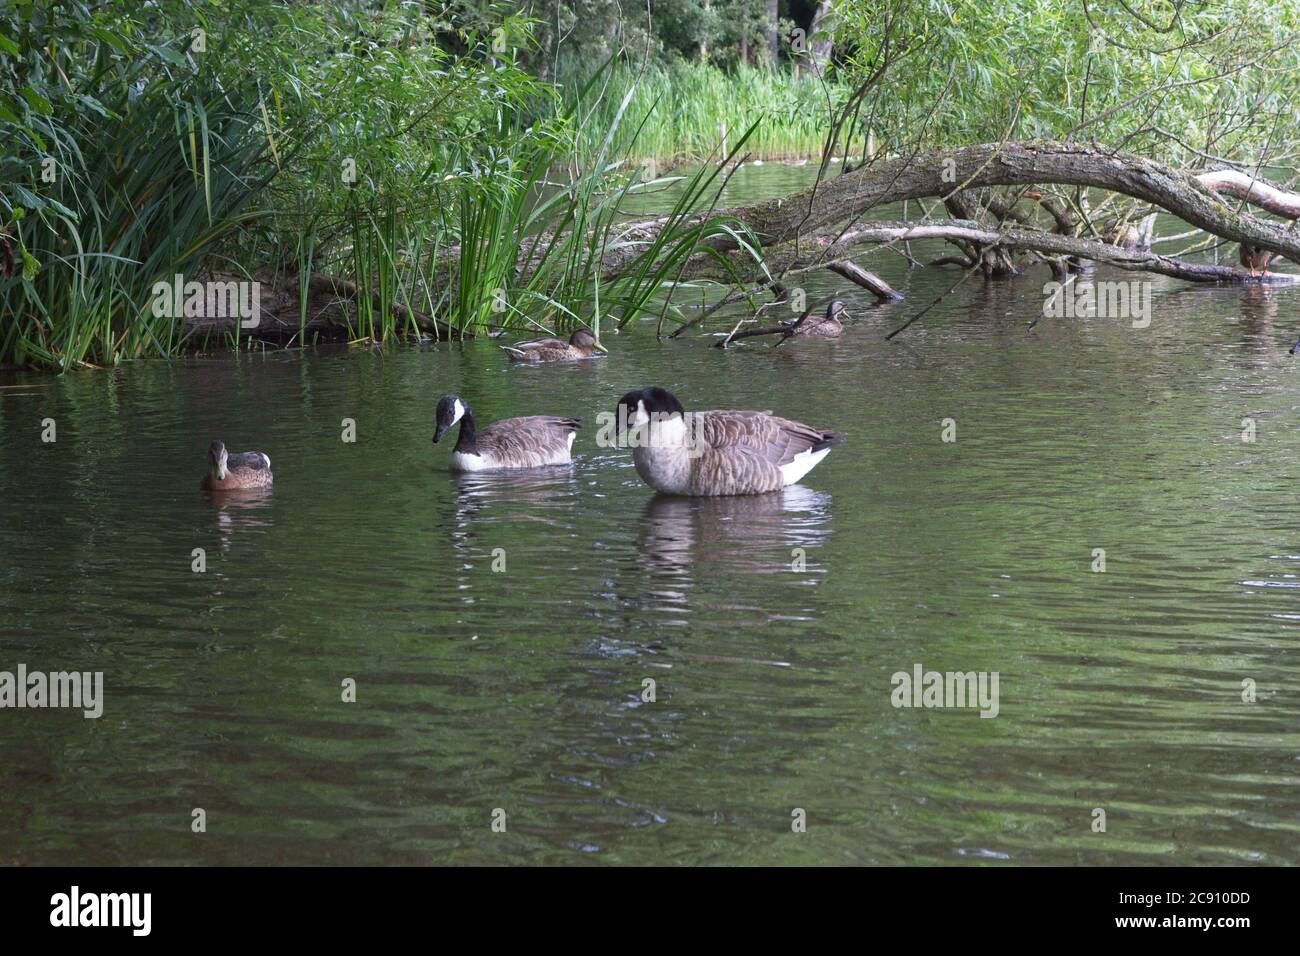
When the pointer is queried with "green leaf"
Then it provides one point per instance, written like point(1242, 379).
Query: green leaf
point(112, 39)
point(30, 266)
point(169, 55)
point(27, 197)
point(37, 102)
point(8, 46)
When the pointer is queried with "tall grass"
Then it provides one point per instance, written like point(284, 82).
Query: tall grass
point(554, 250)
point(463, 206)
point(148, 203)
point(691, 107)
point(123, 176)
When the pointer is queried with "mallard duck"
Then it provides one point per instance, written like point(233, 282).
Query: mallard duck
point(531, 441)
point(719, 452)
point(237, 472)
point(1255, 258)
point(826, 326)
point(582, 344)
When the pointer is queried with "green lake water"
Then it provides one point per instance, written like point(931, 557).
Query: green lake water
point(771, 625)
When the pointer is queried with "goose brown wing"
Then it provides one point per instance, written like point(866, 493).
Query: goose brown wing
point(776, 439)
point(527, 437)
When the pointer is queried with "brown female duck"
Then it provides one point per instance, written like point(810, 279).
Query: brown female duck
point(238, 472)
point(581, 345)
point(1255, 258)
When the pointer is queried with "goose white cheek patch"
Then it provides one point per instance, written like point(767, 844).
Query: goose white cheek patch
point(458, 412)
point(669, 431)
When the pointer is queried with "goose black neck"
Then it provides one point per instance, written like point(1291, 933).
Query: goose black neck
point(465, 443)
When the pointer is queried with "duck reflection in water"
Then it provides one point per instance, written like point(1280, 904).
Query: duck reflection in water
point(241, 511)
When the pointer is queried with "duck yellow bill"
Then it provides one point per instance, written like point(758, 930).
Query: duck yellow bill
point(602, 348)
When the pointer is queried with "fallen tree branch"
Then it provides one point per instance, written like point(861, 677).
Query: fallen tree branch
point(966, 231)
point(1235, 183)
point(877, 286)
point(785, 331)
point(933, 174)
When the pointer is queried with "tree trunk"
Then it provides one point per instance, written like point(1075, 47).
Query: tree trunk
point(820, 44)
point(770, 29)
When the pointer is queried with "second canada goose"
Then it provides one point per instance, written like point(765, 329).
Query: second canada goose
point(238, 472)
point(826, 326)
point(531, 441)
point(1255, 258)
point(719, 452)
point(582, 344)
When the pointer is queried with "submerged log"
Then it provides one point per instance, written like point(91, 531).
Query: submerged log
point(331, 311)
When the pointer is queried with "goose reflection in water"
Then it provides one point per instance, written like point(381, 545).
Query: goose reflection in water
point(688, 543)
point(491, 507)
point(537, 494)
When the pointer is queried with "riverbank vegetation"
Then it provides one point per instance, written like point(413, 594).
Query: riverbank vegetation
point(386, 170)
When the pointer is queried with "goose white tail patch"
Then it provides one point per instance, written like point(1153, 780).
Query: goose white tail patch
point(572, 436)
point(801, 464)
point(266, 459)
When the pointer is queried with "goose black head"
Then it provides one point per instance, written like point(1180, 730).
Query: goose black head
point(217, 456)
point(638, 408)
point(450, 410)
point(625, 412)
point(660, 401)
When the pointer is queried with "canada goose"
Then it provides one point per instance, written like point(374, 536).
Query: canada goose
point(528, 442)
point(826, 326)
point(719, 452)
point(237, 472)
point(582, 344)
point(1255, 258)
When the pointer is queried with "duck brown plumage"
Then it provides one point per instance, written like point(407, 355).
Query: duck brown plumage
point(582, 344)
point(238, 471)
